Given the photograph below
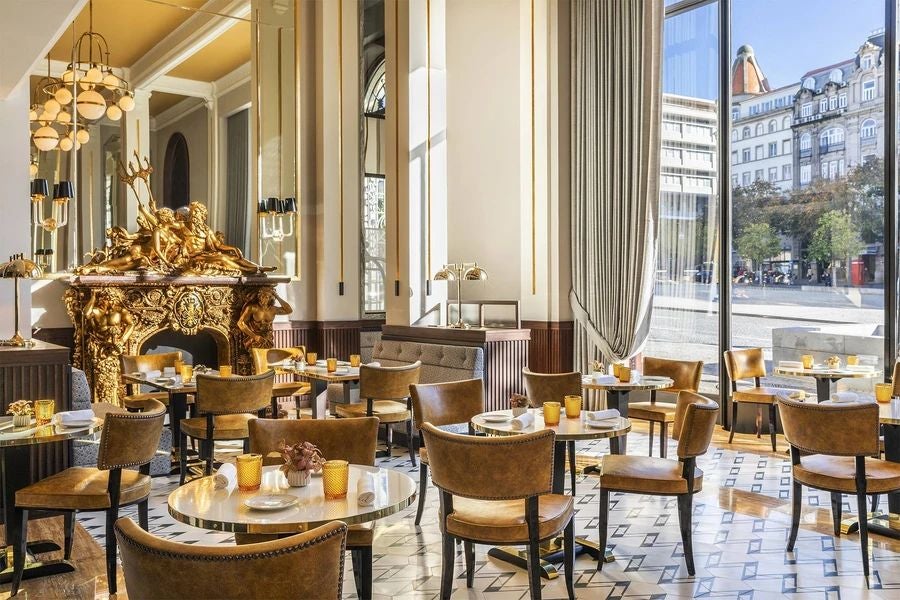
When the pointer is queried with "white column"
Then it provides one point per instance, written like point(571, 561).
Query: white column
point(212, 200)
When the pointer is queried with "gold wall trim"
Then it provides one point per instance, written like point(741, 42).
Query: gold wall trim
point(298, 235)
point(396, 102)
point(341, 140)
point(533, 170)
point(428, 143)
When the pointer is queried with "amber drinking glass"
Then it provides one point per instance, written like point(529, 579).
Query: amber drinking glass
point(178, 365)
point(249, 472)
point(807, 361)
point(354, 360)
point(883, 392)
point(331, 364)
point(852, 360)
point(43, 411)
point(335, 474)
point(187, 373)
point(225, 371)
point(311, 358)
point(616, 367)
point(624, 374)
point(573, 407)
point(551, 413)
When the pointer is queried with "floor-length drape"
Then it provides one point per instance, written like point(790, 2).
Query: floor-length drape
point(616, 51)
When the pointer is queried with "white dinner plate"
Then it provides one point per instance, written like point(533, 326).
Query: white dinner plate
point(497, 418)
point(654, 379)
point(75, 424)
point(271, 501)
point(164, 380)
point(604, 424)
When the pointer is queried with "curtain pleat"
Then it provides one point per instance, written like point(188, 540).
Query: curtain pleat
point(616, 101)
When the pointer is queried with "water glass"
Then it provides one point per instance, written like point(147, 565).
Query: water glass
point(249, 472)
point(335, 475)
point(852, 360)
point(225, 371)
point(187, 373)
point(573, 407)
point(311, 358)
point(331, 364)
point(43, 411)
point(624, 374)
point(807, 360)
point(551, 413)
point(883, 392)
point(354, 360)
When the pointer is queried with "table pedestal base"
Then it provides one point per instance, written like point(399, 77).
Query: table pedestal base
point(882, 523)
point(550, 553)
point(33, 568)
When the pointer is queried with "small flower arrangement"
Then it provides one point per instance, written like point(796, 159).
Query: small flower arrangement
point(300, 461)
point(518, 403)
point(597, 367)
point(21, 410)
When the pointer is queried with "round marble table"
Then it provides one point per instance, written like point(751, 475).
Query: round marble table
point(617, 396)
point(198, 503)
point(824, 377)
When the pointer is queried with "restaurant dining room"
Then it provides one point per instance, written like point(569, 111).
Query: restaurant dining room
point(419, 299)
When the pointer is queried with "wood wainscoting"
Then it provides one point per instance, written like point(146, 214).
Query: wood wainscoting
point(551, 348)
point(337, 339)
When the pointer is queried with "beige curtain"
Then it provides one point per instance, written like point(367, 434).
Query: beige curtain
point(616, 50)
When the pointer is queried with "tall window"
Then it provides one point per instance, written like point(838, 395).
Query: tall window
point(374, 233)
point(868, 129)
point(806, 141)
point(830, 138)
point(868, 90)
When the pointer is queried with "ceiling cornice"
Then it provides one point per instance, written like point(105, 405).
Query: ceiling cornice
point(176, 113)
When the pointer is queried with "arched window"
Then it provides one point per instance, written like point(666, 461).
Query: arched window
point(734, 135)
point(868, 89)
point(759, 129)
point(868, 129)
point(836, 76)
point(809, 83)
point(745, 133)
point(805, 141)
point(832, 135)
point(773, 126)
point(786, 123)
point(374, 216)
point(176, 173)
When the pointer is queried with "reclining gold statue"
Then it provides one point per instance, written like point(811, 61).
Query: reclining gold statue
point(167, 242)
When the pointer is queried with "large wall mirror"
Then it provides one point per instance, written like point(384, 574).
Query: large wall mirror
point(210, 102)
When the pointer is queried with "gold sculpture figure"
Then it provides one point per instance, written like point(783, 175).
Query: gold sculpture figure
point(165, 242)
point(107, 320)
point(257, 317)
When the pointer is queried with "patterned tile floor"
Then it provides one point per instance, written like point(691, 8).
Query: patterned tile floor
point(741, 521)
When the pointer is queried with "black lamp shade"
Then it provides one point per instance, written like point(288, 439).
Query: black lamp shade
point(261, 206)
point(40, 187)
point(66, 191)
point(290, 205)
point(55, 191)
point(272, 204)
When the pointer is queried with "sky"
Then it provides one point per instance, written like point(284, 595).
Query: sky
point(789, 38)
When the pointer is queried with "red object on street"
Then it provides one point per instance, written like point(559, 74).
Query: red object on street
point(856, 271)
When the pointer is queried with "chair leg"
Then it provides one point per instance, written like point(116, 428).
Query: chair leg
point(863, 532)
point(836, 500)
point(469, 549)
point(534, 565)
point(182, 458)
point(423, 487)
point(447, 559)
point(569, 557)
point(210, 453)
point(603, 524)
point(388, 437)
point(758, 422)
point(772, 412)
point(650, 445)
point(570, 449)
point(734, 406)
point(684, 523)
point(69, 533)
point(354, 560)
point(144, 515)
point(20, 551)
point(796, 496)
point(663, 439)
point(874, 503)
point(112, 515)
point(409, 443)
point(365, 573)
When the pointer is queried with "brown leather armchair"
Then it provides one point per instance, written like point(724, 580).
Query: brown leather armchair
point(837, 443)
point(144, 363)
point(225, 406)
point(263, 357)
point(685, 375)
point(750, 364)
point(353, 440)
point(306, 565)
point(543, 387)
point(443, 404)
point(695, 419)
point(384, 393)
point(128, 439)
point(507, 501)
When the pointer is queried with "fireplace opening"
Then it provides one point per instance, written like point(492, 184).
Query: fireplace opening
point(198, 349)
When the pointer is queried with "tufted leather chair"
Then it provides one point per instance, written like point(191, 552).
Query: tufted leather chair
point(505, 500)
point(384, 393)
point(685, 375)
point(443, 404)
point(695, 419)
point(263, 357)
point(832, 449)
point(353, 440)
point(144, 363)
point(127, 440)
point(225, 406)
point(750, 364)
point(306, 565)
point(554, 387)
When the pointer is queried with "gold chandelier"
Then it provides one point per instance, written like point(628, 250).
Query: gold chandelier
point(52, 123)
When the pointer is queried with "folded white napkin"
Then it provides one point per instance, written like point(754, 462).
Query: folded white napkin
point(602, 415)
point(845, 397)
point(226, 477)
point(365, 490)
point(522, 421)
point(70, 417)
point(168, 371)
point(153, 374)
point(790, 364)
point(605, 379)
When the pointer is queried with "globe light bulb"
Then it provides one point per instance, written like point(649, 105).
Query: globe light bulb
point(45, 117)
point(68, 76)
point(63, 95)
point(66, 144)
point(91, 105)
point(126, 103)
point(32, 115)
point(111, 81)
point(82, 136)
point(77, 145)
point(64, 117)
point(52, 107)
point(113, 112)
point(91, 78)
point(46, 138)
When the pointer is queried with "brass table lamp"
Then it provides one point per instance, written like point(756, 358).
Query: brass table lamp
point(458, 272)
point(18, 267)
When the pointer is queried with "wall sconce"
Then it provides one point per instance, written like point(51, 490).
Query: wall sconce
point(59, 211)
point(271, 215)
point(459, 272)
